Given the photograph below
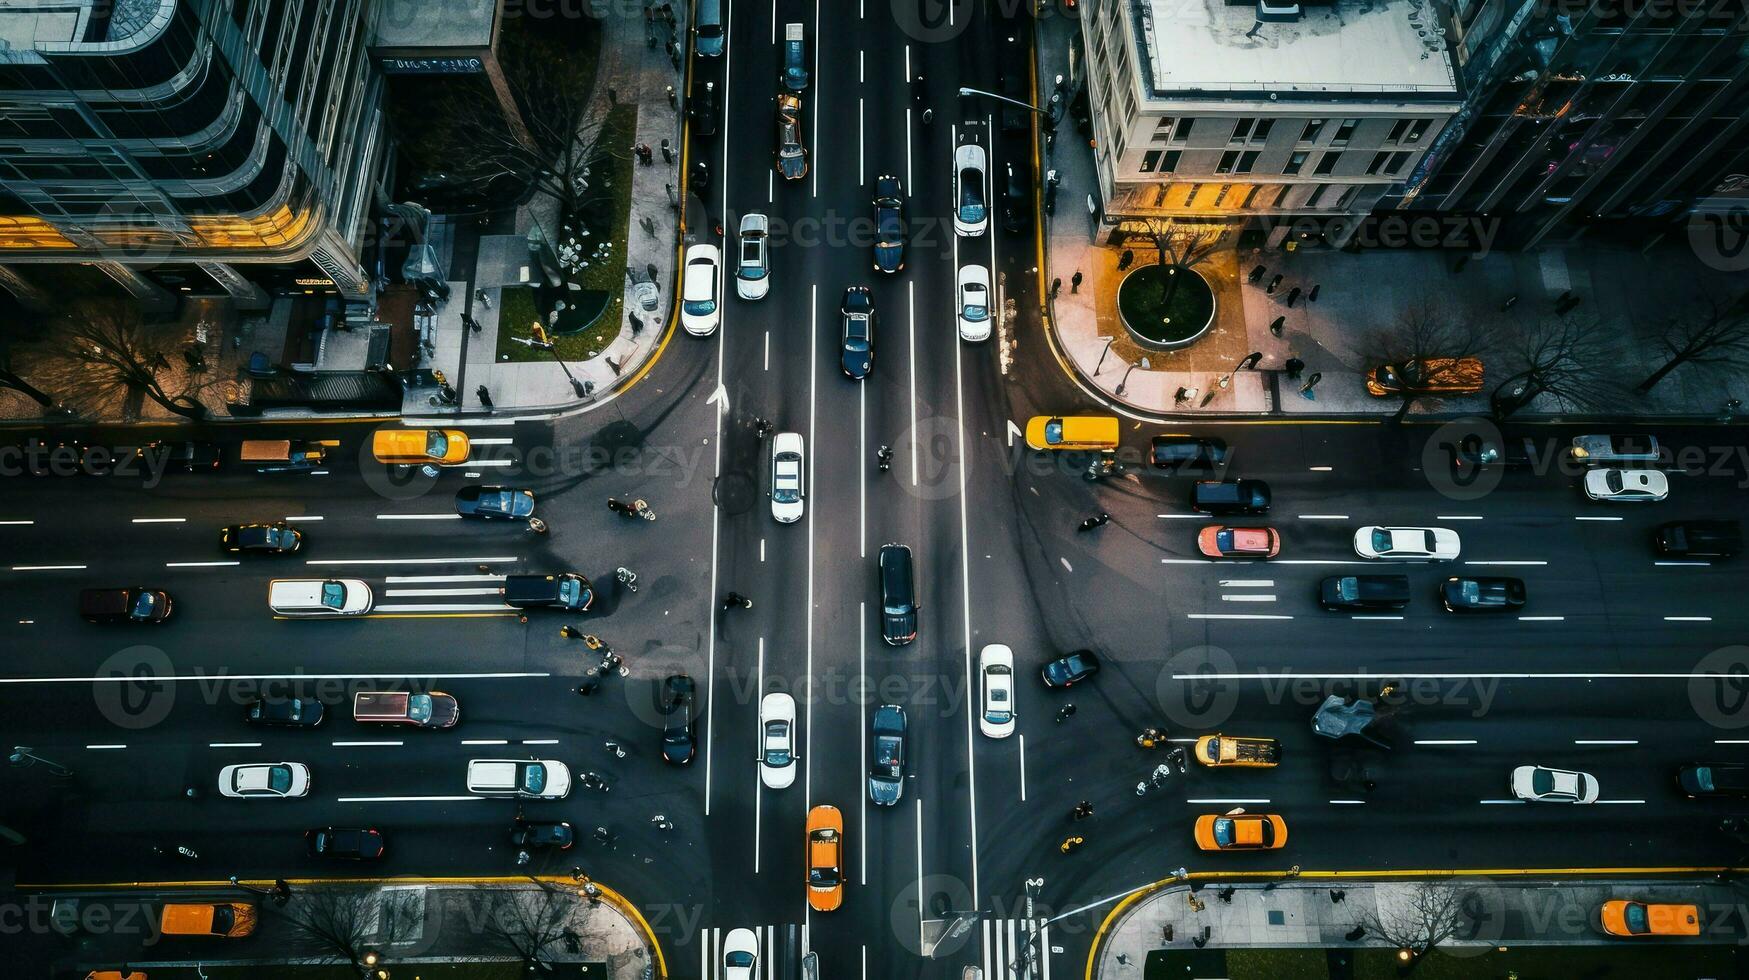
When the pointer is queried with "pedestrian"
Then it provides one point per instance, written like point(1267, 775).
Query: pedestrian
point(674, 54)
point(1277, 324)
point(673, 100)
point(1293, 296)
point(667, 151)
point(1185, 395)
point(618, 750)
point(1064, 712)
point(1729, 410)
point(1075, 282)
point(645, 154)
point(1124, 260)
point(1311, 382)
point(737, 600)
point(1070, 843)
point(1562, 299)
point(1256, 274)
point(483, 298)
point(1056, 286)
point(485, 396)
point(668, 13)
point(1312, 296)
point(1097, 520)
point(1274, 283)
point(1294, 366)
point(1511, 301)
point(1251, 361)
point(634, 322)
point(1082, 810)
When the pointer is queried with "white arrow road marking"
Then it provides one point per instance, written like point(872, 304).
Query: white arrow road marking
point(1013, 431)
point(719, 398)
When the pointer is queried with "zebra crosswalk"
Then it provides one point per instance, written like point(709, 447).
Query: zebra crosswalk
point(769, 943)
point(1016, 949)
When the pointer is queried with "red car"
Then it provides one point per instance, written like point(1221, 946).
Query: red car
point(1239, 542)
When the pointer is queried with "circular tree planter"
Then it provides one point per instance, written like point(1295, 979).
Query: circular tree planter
point(1153, 324)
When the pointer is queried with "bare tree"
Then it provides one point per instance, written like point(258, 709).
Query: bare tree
point(1181, 246)
point(1431, 914)
point(1428, 346)
point(528, 922)
point(1563, 359)
point(103, 351)
point(332, 924)
point(1712, 332)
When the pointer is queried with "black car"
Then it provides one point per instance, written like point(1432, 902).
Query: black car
point(286, 712)
point(1070, 670)
point(495, 503)
point(1699, 539)
point(1230, 497)
point(886, 754)
point(858, 335)
point(345, 843)
point(889, 216)
point(1714, 779)
point(680, 713)
point(1483, 594)
point(898, 595)
point(531, 834)
point(278, 538)
point(558, 590)
point(702, 107)
point(179, 456)
point(1016, 202)
point(1187, 453)
point(1343, 592)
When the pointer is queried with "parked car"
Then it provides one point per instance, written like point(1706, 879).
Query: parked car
point(698, 289)
point(702, 110)
point(1699, 539)
point(230, 920)
point(1187, 453)
point(179, 456)
point(1230, 497)
point(1540, 784)
point(1619, 486)
point(1603, 449)
point(345, 843)
point(777, 740)
point(886, 754)
point(679, 719)
point(318, 597)
point(1350, 592)
point(709, 38)
point(889, 220)
point(1714, 779)
point(264, 780)
point(857, 313)
point(534, 779)
point(898, 595)
point(495, 503)
point(530, 834)
point(1427, 376)
point(792, 152)
point(825, 858)
point(1407, 543)
point(974, 303)
point(285, 712)
point(787, 477)
point(1240, 831)
point(971, 215)
point(1620, 917)
point(753, 269)
point(434, 709)
point(278, 538)
point(1219, 541)
point(124, 605)
point(1482, 594)
point(996, 687)
point(1067, 671)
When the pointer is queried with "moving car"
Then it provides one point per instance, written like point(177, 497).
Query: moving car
point(1428, 376)
point(889, 218)
point(1226, 750)
point(1699, 539)
point(556, 590)
point(707, 29)
point(795, 63)
point(318, 597)
point(1482, 594)
point(787, 489)
point(777, 740)
point(1596, 449)
point(495, 503)
point(971, 214)
point(857, 339)
point(1187, 453)
point(530, 834)
point(898, 595)
point(412, 447)
point(535, 779)
point(974, 303)
point(1343, 592)
point(1540, 784)
point(698, 290)
point(1230, 497)
point(179, 456)
point(285, 712)
point(284, 455)
point(1240, 831)
point(825, 858)
point(753, 268)
point(232, 920)
point(996, 684)
point(431, 710)
point(278, 538)
point(741, 946)
point(1071, 433)
point(1626, 486)
point(264, 779)
point(124, 605)
point(1067, 671)
point(1710, 779)
point(1407, 543)
point(1621, 917)
point(345, 843)
point(702, 110)
point(792, 155)
point(679, 717)
point(886, 754)
point(1016, 201)
point(1218, 541)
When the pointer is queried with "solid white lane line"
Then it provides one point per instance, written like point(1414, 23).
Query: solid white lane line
point(419, 517)
point(407, 799)
point(1322, 517)
point(496, 463)
point(1276, 676)
point(1688, 619)
point(1445, 741)
point(1209, 802)
point(408, 593)
point(535, 741)
point(1542, 619)
point(920, 907)
point(862, 470)
point(489, 559)
point(861, 726)
point(1606, 741)
point(485, 741)
point(1237, 616)
point(235, 678)
point(301, 518)
point(411, 579)
point(112, 745)
point(861, 145)
point(1185, 561)
point(47, 568)
point(959, 395)
point(160, 520)
point(1347, 802)
point(1683, 564)
point(911, 333)
point(1244, 583)
point(1512, 562)
point(1731, 741)
point(16, 523)
point(1460, 517)
point(233, 745)
point(1320, 561)
point(1184, 517)
point(360, 744)
point(759, 748)
point(1597, 518)
point(1376, 618)
point(1023, 768)
point(1501, 802)
point(493, 441)
point(200, 564)
point(1247, 597)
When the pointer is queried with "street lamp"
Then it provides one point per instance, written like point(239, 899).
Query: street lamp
point(23, 757)
point(581, 389)
point(1003, 98)
point(1108, 342)
point(1143, 364)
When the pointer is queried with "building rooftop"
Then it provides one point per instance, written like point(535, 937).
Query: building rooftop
point(432, 26)
point(1349, 46)
point(61, 25)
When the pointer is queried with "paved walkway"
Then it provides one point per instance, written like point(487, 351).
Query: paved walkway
point(1302, 912)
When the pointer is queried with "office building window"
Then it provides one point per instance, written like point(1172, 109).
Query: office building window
point(1260, 132)
point(1295, 162)
point(1228, 159)
point(1169, 163)
point(1160, 161)
point(1327, 163)
point(1378, 162)
point(1344, 132)
point(1162, 129)
point(1317, 195)
point(1181, 132)
point(1398, 159)
point(1247, 162)
point(1347, 197)
point(1310, 133)
point(1417, 129)
point(1150, 160)
point(1251, 130)
point(1242, 130)
point(1399, 129)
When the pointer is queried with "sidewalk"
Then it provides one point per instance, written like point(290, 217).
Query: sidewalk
point(1483, 913)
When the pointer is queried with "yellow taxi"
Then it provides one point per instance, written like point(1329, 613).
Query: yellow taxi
point(1625, 918)
point(825, 858)
point(1071, 432)
point(1240, 832)
point(414, 446)
point(232, 920)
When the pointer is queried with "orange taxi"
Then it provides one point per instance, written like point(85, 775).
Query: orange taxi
point(1239, 542)
point(1625, 918)
point(825, 858)
point(1240, 832)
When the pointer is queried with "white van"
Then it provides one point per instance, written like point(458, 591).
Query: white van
point(318, 597)
point(539, 779)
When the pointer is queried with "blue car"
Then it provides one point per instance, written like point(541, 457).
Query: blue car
point(886, 767)
point(495, 503)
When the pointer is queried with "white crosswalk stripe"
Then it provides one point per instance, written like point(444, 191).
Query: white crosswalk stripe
point(1006, 941)
point(711, 952)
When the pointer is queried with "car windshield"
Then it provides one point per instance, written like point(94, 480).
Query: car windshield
point(1542, 782)
point(419, 708)
point(1703, 778)
point(1224, 832)
point(144, 603)
point(971, 194)
point(1613, 481)
point(534, 778)
point(279, 779)
point(738, 958)
point(276, 537)
point(571, 591)
point(1636, 918)
point(777, 748)
point(897, 608)
point(1054, 431)
point(1348, 589)
point(975, 306)
point(856, 333)
point(1381, 540)
point(436, 443)
point(333, 595)
point(752, 264)
point(786, 479)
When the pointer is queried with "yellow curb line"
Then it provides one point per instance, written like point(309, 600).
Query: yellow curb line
point(1149, 889)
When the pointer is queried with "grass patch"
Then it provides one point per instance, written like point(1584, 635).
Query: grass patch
point(1611, 961)
point(610, 201)
point(504, 970)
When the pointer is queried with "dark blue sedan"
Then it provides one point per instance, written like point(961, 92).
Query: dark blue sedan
point(493, 503)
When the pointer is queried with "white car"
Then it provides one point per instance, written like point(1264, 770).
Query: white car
point(996, 684)
point(753, 268)
point(1540, 784)
point(971, 190)
point(777, 740)
point(974, 302)
point(1626, 486)
point(539, 779)
point(318, 597)
point(257, 779)
point(698, 290)
point(1406, 543)
point(740, 955)
point(787, 467)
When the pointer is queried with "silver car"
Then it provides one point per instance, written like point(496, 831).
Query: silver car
point(753, 262)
